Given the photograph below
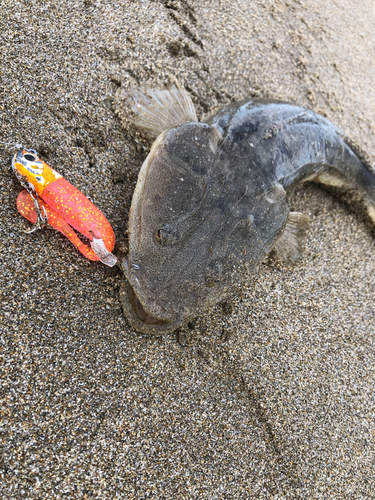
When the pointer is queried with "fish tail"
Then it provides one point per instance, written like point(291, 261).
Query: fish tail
point(364, 158)
point(355, 174)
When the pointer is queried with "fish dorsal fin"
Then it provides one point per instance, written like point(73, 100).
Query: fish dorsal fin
point(291, 244)
point(160, 110)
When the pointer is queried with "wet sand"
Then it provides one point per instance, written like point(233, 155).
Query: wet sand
point(270, 395)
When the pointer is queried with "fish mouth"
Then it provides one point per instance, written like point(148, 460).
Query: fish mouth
point(139, 318)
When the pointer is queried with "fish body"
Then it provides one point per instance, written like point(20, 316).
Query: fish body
point(212, 201)
point(52, 200)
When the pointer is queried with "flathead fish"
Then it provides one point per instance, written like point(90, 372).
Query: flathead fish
point(211, 199)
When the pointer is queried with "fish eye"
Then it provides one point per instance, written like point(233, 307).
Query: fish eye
point(166, 235)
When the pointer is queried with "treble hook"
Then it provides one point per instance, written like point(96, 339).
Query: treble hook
point(42, 217)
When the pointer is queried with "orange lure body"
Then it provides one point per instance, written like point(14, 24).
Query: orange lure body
point(49, 198)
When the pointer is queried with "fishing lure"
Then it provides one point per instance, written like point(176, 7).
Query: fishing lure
point(50, 200)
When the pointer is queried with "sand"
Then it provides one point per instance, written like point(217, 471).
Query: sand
point(270, 395)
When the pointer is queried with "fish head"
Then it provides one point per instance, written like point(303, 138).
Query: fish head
point(32, 172)
point(204, 214)
point(170, 230)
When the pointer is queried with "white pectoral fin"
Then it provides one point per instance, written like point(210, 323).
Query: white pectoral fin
point(160, 110)
point(276, 194)
point(291, 244)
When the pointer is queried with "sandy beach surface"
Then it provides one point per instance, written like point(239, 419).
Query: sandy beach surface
point(268, 396)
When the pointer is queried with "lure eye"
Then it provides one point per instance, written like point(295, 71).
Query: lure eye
point(166, 236)
point(29, 157)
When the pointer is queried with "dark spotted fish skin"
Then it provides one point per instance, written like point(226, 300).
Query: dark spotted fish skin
point(212, 202)
point(296, 144)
